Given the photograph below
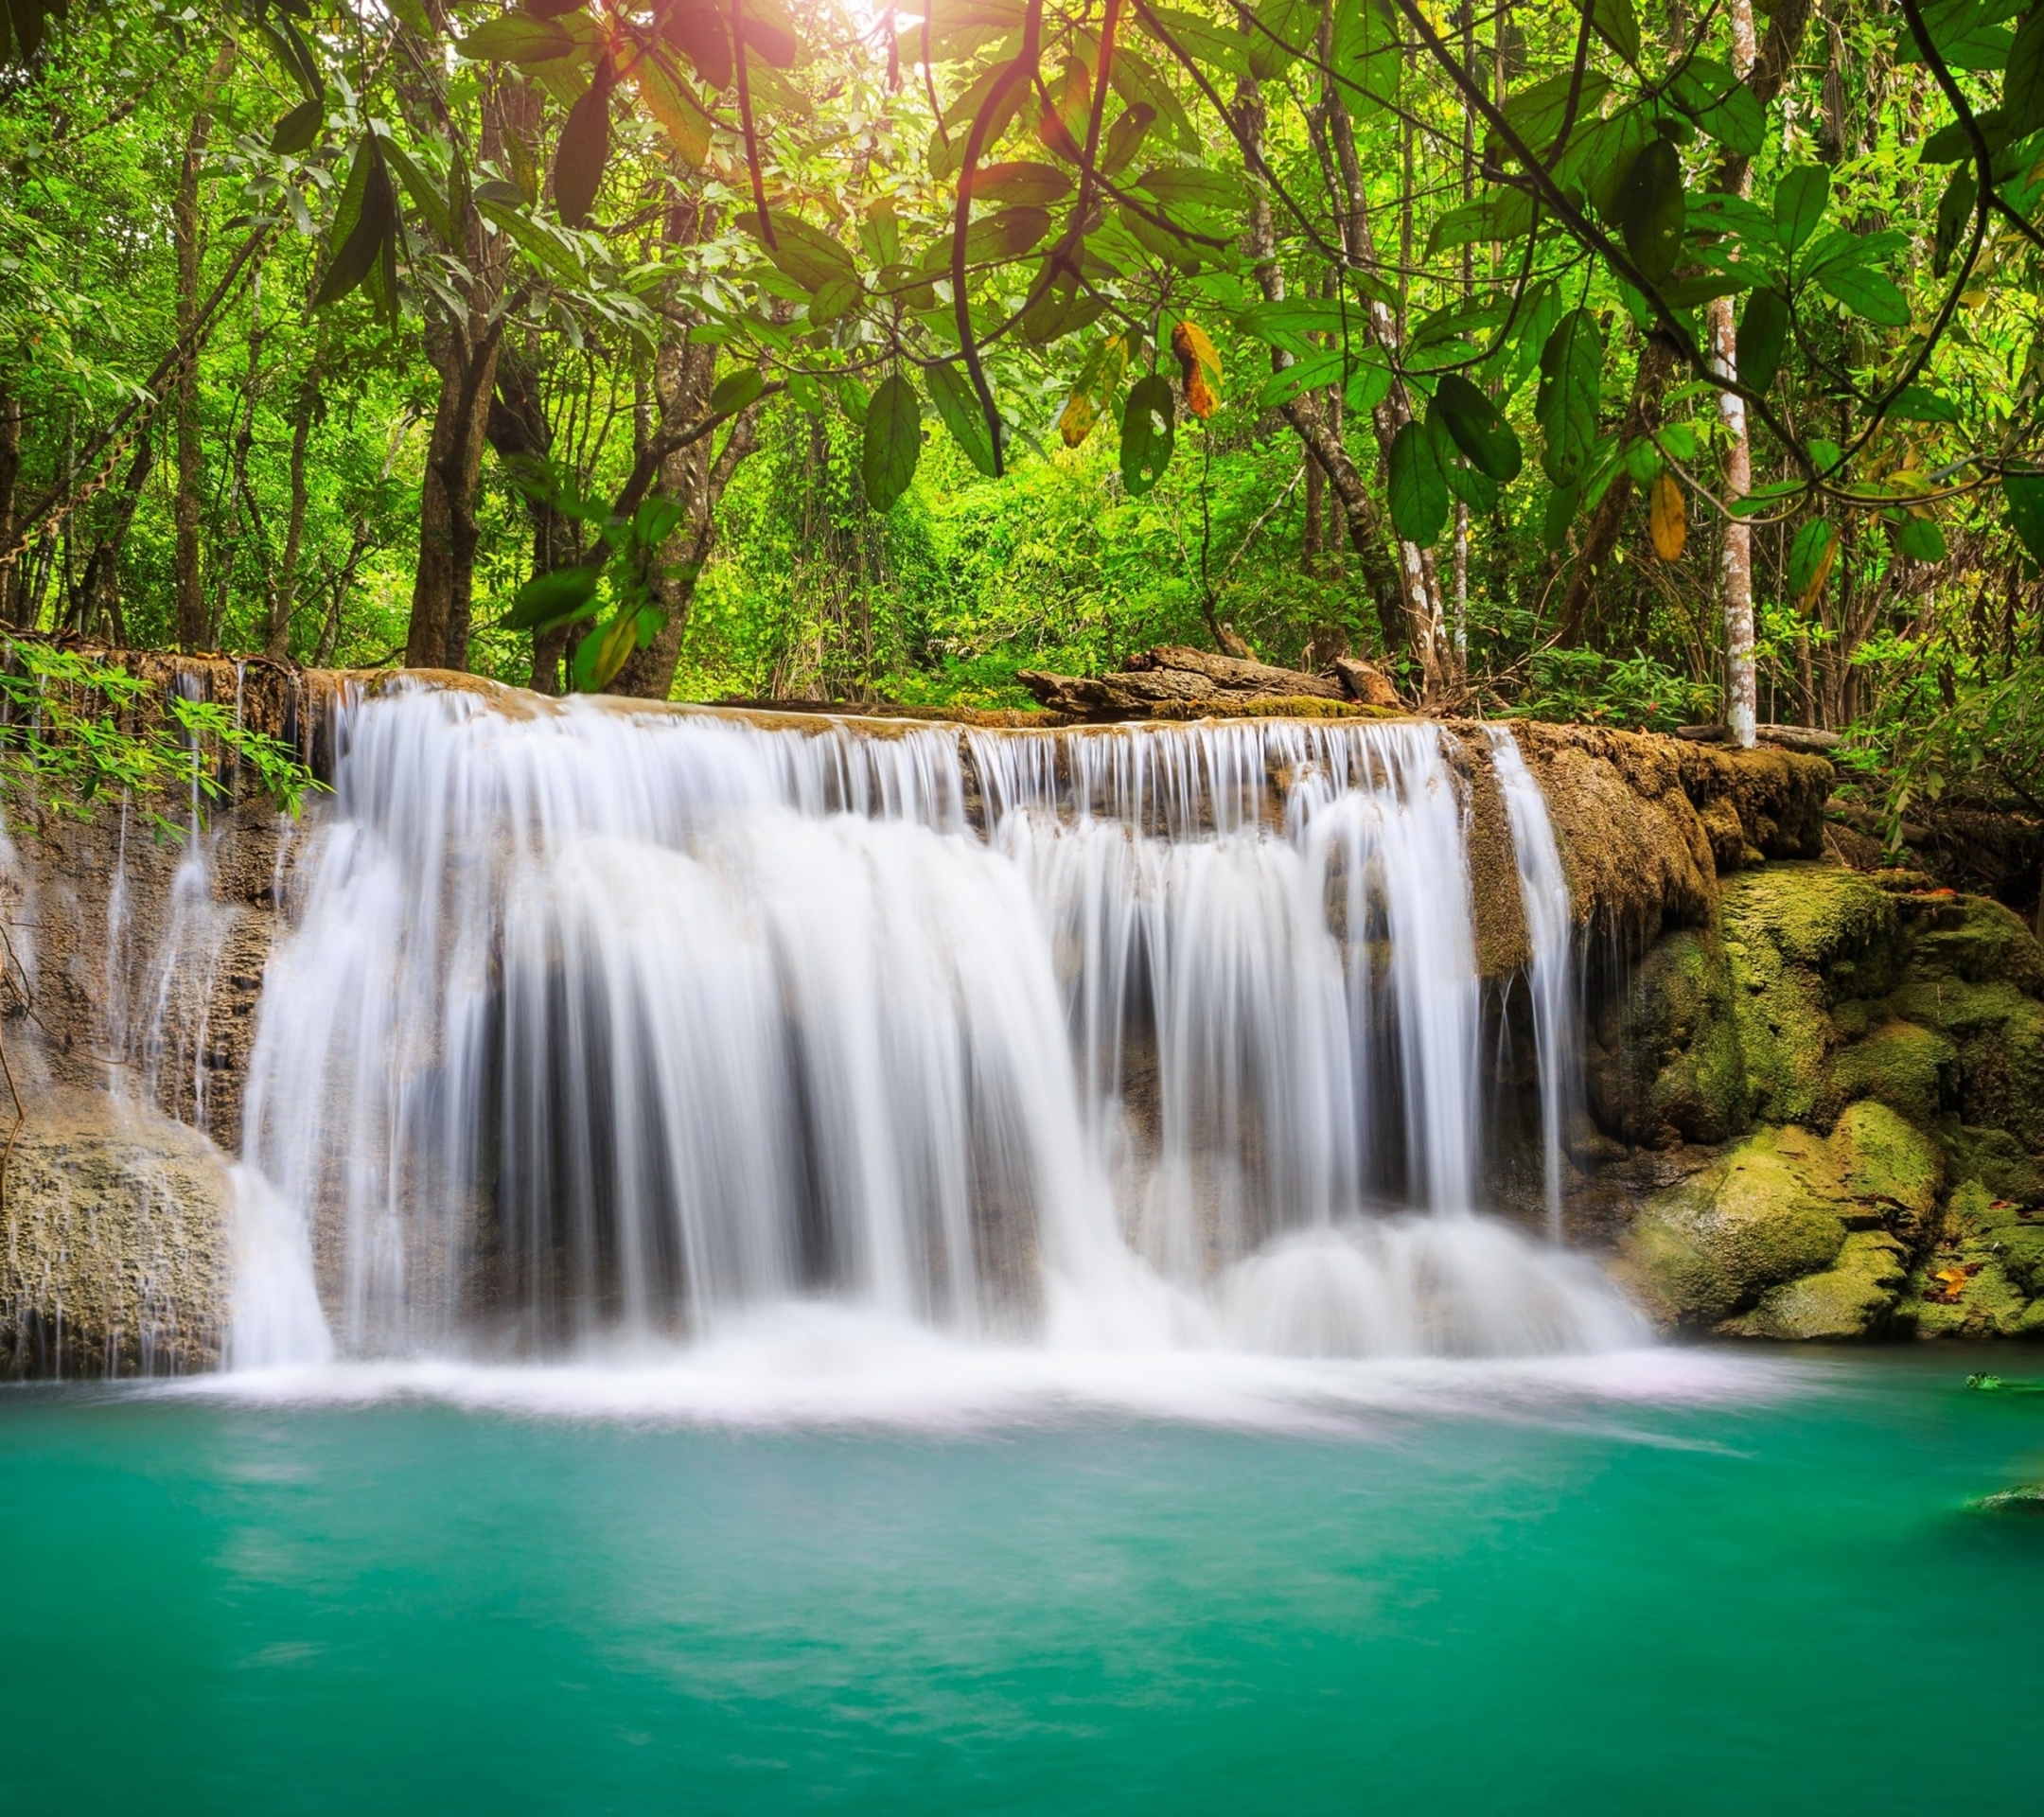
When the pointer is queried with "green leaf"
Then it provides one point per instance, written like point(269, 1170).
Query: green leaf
point(2024, 495)
point(299, 127)
point(1954, 216)
point(1651, 210)
point(736, 390)
point(1800, 199)
point(1919, 539)
point(670, 101)
point(1148, 427)
point(602, 654)
point(1720, 105)
point(1327, 366)
point(1952, 143)
point(375, 226)
point(1367, 55)
point(894, 441)
point(2022, 88)
point(1966, 33)
point(807, 254)
point(1572, 367)
point(958, 404)
point(1535, 112)
point(1866, 293)
point(1282, 31)
point(546, 601)
point(1557, 517)
point(1618, 26)
point(583, 152)
point(1809, 559)
point(518, 38)
point(1418, 488)
point(1368, 385)
point(425, 193)
point(1763, 335)
point(1038, 184)
point(839, 298)
point(1482, 434)
point(1917, 404)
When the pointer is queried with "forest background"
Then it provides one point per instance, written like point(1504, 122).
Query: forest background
point(1647, 366)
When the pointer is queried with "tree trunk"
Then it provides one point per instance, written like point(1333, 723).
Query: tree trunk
point(100, 591)
point(10, 575)
point(523, 440)
point(684, 372)
point(465, 352)
point(1741, 695)
point(184, 230)
point(284, 595)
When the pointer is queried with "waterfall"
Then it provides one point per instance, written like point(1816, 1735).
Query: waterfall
point(1550, 932)
point(604, 1023)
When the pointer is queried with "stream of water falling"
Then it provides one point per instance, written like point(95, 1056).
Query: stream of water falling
point(598, 1024)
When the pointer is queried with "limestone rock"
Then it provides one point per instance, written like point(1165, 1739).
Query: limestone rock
point(1789, 1208)
point(114, 1241)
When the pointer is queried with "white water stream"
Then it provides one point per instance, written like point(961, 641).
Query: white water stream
point(600, 1025)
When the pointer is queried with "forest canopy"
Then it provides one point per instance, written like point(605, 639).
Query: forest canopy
point(1651, 366)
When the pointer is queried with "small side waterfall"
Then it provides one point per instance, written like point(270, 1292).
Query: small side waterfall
point(1550, 932)
point(602, 1024)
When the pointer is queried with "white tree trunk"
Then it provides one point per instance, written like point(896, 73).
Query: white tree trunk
point(1741, 682)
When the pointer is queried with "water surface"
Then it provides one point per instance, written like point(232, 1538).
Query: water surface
point(1674, 1583)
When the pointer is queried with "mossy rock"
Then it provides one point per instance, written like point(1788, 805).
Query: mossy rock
point(1855, 1297)
point(1911, 1068)
point(1675, 1065)
point(1994, 1159)
point(1887, 1167)
point(1999, 1035)
point(1975, 940)
point(1767, 1214)
point(1976, 1281)
point(1799, 937)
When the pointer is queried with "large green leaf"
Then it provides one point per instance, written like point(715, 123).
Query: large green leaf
point(549, 600)
point(1651, 210)
point(374, 225)
point(1368, 57)
point(1763, 336)
point(299, 127)
point(958, 404)
point(1954, 216)
point(1721, 105)
point(583, 152)
point(894, 441)
point(1618, 26)
point(1535, 112)
point(1809, 559)
point(1799, 202)
point(1867, 293)
point(2022, 88)
point(807, 254)
point(1149, 428)
point(518, 38)
point(1418, 488)
point(1572, 368)
point(1919, 539)
point(1281, 31)
point(1479, 430)
point(1038, 184)
point(2024, 496)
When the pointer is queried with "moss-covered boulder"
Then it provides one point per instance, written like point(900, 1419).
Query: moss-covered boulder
point(1789, 1209)
point(1666, 1063)
point(1856, 1296)
point(1801, 938)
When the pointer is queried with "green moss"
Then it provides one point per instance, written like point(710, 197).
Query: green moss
point(1994, 1159)
point(1765, 1214)
point(1680, 1067)
point(1977, 941)
point(1999, 1033)
point(1816, 915)
point(1904, 1066)
point(1855, 1297)
point(1886, 1165)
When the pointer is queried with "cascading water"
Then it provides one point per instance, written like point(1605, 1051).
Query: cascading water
point(600, 1023)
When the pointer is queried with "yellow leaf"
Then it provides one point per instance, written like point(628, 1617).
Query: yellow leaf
point(1077, 422)
point(1821, 574)
point(1199, 368)
point(1667, 517)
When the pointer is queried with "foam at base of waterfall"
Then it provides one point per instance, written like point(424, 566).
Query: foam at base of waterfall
point(1448, 1285)
point(812, 1364)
